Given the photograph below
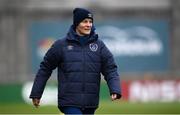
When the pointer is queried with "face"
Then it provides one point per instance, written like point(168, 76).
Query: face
point(84, 28)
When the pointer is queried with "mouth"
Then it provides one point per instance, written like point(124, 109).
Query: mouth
point(87, 29)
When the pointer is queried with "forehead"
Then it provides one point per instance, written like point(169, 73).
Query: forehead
point(87, 19)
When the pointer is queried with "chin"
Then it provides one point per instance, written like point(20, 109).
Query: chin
point(86, 33)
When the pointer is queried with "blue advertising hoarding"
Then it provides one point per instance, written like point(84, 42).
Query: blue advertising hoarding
point(137, 45)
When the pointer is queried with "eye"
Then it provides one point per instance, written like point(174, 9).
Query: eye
point(90, 21)
point(85, 21)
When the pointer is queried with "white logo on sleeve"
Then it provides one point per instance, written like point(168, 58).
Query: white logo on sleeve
point(93, 47)
point(70, 47)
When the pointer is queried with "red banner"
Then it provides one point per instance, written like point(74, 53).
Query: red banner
point(151, 90)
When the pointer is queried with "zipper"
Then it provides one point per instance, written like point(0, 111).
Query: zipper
point(83, 87)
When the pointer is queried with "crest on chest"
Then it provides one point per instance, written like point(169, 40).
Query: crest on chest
point(93, 47)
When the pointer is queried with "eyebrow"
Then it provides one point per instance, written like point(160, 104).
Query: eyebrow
point(90, 20)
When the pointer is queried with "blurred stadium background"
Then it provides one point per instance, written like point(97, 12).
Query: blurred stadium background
point(142, 34)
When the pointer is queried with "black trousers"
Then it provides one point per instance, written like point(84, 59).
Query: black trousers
point(75, 110)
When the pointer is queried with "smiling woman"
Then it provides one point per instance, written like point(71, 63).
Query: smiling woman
point(81, 57)
point(84, 28)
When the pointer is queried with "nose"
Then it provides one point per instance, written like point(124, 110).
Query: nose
point(89, 24)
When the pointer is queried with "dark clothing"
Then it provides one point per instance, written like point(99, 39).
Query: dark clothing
point(79, 14)
point(83, 40)
point(76, 110)
point(79, 67)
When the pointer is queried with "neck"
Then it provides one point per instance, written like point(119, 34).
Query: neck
point(80, 34)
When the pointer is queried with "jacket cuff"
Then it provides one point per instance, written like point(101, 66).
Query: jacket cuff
point(33, 97)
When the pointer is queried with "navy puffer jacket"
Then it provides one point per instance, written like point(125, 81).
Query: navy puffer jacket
point(79, 67)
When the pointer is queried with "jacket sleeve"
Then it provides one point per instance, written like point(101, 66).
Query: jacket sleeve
point(109, 71)
point(49, 63)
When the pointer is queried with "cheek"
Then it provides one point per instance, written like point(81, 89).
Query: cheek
point(81, 28)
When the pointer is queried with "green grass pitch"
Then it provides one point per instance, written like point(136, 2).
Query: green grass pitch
point(106, 107)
